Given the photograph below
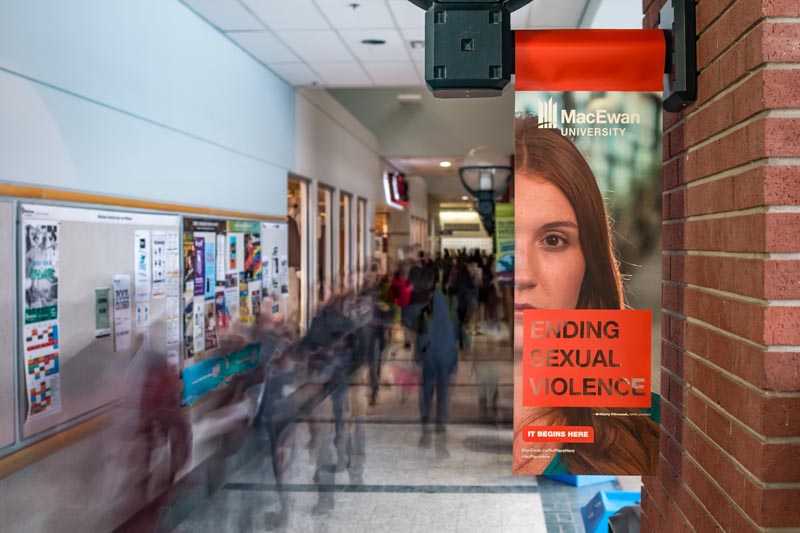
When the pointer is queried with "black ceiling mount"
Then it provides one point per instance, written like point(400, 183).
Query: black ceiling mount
point(469, 48)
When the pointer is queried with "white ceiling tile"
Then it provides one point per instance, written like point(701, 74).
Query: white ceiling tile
point(393, 73)
point(225, 14)
point(407, 14)
point(264, 46)
point(342, 74)
point(297, 74)
point(319, 46)
point(369, 14)
point(420, 66)
point(393, 50)
point(288, 14)
point(413, 34)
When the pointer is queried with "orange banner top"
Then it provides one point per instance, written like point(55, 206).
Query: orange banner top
point(590, 60)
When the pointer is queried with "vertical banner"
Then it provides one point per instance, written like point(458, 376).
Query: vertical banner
point(585, 248)
point(504, 243)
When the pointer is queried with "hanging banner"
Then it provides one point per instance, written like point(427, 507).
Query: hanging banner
point(504, 243)
point(587, 193)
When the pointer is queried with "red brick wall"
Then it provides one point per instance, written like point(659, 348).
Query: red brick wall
point(730, 436)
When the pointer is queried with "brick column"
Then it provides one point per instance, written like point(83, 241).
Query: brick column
point(730, 435)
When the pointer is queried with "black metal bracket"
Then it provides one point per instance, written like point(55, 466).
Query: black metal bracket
point(469, 48)
point(677, 20)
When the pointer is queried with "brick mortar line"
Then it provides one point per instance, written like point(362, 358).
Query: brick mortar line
point(734, 505)
point(715, 329)
point(734, 171)
point(763, 114)
point(741, 37)
point(738, 82)
point(731, 172)
point(764, 256)
point(773, 348)
point(733, 377)
point(763, 209)
point(725, 414)
point(674, 502)
point(766, 302)
point(736, 464)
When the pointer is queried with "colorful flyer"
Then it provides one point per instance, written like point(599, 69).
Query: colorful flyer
point(232, 296)
point(252, 258)
point(254, 287)
point(235, 253)
point(199, 266)
point(222, 258)
point(40, 271)
point(188, 325)
point(142, 266)
point(210, 325)
point(199, 323)
point(245, 307)
point(160, 268)
point(188, 262)
point(587, 196)
point(220, 310)
point(210, 269)
point(122, 312)
point(42, 368)
point(102, 312)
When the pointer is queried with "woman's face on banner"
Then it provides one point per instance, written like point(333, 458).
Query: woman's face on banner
point(549, 262)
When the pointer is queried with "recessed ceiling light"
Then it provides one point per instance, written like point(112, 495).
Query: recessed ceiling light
point(465, 197)
point(373, 42)
point(445, 164)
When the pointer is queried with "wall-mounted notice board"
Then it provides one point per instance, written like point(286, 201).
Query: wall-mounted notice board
point(96, 284)
point(230, 267)
point(6, 324)
point(275, 239)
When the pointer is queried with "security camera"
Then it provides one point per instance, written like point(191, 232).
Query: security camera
point(469, 46)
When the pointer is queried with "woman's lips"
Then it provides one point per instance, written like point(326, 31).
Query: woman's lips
point(523, 306)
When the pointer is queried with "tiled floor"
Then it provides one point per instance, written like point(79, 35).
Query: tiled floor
point(460, 482)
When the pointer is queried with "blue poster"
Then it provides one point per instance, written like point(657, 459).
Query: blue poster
point(210, 270)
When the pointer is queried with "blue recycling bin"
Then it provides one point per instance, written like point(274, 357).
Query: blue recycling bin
point(581, 481)
point(604, 504)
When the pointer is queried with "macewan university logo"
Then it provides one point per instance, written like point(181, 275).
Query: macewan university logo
point(593, 123)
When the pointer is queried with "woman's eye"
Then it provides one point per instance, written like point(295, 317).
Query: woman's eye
point(554, 241)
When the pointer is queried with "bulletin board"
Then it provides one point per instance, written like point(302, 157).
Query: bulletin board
point(228, 272)
point(6, 324)
point(95, 284)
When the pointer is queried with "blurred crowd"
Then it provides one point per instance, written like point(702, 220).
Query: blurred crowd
point(434, 306)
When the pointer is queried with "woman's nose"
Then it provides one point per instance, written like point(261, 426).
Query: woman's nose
point(526, 268)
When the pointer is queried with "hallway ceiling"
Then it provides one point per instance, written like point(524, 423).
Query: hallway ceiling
point(319, 42)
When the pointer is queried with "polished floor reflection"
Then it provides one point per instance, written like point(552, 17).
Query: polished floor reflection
point(383, 472)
